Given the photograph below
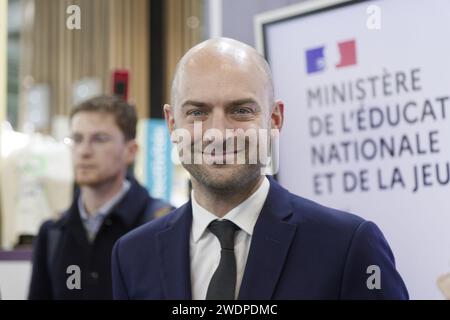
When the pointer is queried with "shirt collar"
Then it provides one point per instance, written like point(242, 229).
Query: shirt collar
point(105, 208)
point(244, 215)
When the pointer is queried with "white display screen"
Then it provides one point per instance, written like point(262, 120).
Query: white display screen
point(366, 88)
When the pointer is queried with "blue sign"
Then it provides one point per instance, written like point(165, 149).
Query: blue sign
point(159, 167)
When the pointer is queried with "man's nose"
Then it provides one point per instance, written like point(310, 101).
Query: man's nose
point(218, 121)
point(84, 148)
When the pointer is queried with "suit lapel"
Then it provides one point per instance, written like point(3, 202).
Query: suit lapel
point(270, 245)
point(173, 250)
point(74, 226)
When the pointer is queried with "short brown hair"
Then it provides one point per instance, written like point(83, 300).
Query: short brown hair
point(123, 112)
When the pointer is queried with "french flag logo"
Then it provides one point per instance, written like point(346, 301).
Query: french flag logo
point(316, 57)
point(315, 60)
point(347, 51)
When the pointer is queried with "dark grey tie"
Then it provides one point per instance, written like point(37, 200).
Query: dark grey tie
point(223, 281)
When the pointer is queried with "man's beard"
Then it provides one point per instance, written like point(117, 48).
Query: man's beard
point(239, 168)
point(96, 181)
point(224, 179)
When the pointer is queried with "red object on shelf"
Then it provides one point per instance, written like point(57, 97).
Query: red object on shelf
point(120, 83)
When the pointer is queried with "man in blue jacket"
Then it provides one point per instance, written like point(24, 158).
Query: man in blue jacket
point(242, 235)
point(72, 256)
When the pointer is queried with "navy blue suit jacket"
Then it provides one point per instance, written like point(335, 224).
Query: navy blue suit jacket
point(299, 250)
point(64, 242)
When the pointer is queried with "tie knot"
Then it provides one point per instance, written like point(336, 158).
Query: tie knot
point(224, 230)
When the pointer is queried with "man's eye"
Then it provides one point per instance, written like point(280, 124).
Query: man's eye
point(76, 139)
point(196, 113)
point(242, 111)
point(101, 138)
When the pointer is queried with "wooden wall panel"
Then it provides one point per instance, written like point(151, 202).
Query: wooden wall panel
point(114, 34)
point(180, 37)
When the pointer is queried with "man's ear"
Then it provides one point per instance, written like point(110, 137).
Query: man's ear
point(277, 116)
point(132, 149)
point(170, 120)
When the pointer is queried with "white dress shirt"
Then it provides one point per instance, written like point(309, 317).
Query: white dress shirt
point(205, 247)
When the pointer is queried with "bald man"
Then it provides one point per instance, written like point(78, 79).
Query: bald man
point(241, 235)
